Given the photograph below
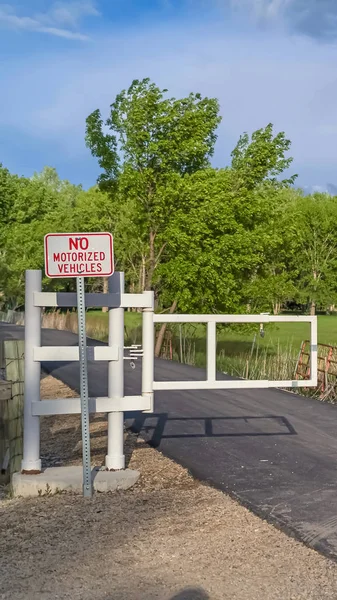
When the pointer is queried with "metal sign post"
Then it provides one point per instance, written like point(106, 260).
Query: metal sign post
point(80, 255)
point(82, 342)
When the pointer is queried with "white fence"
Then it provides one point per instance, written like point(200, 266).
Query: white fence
point(116, 403)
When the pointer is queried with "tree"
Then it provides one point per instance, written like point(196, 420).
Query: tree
point(225, 240)
point(153, 142)
point(30, 209)
point(98, 210)
point(262, 158)
point(216, 242)
point(312, 222)
point(273, 283)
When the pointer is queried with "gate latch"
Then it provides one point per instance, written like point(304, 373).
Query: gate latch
point(133, 353)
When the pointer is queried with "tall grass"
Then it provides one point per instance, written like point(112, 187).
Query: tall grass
point(96, 328)
point(256, 362)
point(261, 364)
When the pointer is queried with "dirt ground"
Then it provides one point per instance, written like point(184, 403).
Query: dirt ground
point(169, 538)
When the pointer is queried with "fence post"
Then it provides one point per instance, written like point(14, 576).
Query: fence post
point(31, 461)
point(115, 458)
point(14, 360)
point(211, 351)
point(148, 351)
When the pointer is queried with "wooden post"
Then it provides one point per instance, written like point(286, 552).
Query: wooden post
point(5, 396)
point(2, 352)
point(14, 360)
point(105, 291)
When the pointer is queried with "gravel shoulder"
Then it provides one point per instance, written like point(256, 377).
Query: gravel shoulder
point(169, 537)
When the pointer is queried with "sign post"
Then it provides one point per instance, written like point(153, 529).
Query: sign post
point(80, 255)
point(82, 343)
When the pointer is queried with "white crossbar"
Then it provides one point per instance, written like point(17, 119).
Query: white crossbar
point(67, 406)
point(225, 384)
point(136, 300)
point(71, 353)
point(49, 299)
point(181, 318)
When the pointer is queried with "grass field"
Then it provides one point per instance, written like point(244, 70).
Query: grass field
point(276, 336)
point(241, 351)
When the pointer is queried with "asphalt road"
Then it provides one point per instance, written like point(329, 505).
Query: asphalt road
point(274, 451)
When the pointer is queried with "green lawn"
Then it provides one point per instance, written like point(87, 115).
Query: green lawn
point(283, 336)
point(241, 351)
point(130, 318)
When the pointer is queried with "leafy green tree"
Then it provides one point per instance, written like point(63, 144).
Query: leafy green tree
point(97, 210)
point(273, 283)
point(50, 180)
point(312, 222)
point(216, 243)
point(225, 242)
point(30, 209)
point(262, 158)
point(153, 141)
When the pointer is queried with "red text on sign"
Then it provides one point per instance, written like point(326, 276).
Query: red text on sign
point(82, 242)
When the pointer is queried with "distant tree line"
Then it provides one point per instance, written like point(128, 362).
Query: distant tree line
point(233, 239)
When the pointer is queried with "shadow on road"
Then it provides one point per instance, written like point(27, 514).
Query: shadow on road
point(157, 427)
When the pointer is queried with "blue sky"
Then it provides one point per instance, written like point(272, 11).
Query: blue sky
point(265, 60)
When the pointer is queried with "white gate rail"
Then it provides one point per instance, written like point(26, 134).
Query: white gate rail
point(211, 383)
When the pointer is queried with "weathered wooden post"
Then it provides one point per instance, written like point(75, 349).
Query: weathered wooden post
point(14, 364)
point(5, 396)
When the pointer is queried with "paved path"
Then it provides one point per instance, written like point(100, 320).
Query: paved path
point(275, 451)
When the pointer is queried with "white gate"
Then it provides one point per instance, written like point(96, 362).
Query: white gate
point(116, 403)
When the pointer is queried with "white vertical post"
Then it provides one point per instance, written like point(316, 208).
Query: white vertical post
point(148, 352)
point(211, 351)
point(82, 344)
point(313, 351)
point(115, 458)
point(31, 461)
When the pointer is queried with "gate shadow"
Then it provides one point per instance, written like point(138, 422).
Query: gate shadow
point(157, 427)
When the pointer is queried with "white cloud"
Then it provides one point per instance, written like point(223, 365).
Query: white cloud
point(60, 20)
point(314, 18)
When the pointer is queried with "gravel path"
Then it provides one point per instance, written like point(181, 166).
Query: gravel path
point(170, 537)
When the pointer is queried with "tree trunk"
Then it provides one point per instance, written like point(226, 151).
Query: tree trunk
point(143, 274)
point(151, 261)
point(313, 303)
point(162, 330)
point(105, 291)
point(132, 291)
point(276, 308)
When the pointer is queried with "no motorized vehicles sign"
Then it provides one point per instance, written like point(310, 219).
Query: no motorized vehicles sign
point(78, 254)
